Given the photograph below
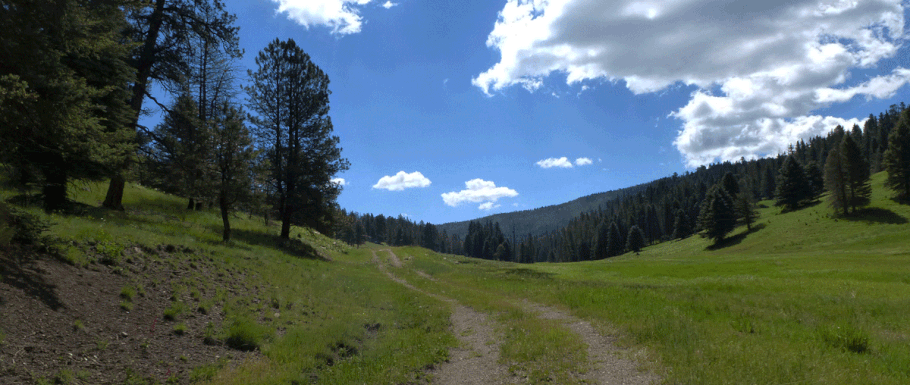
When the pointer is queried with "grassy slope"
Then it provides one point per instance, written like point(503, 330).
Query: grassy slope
point(803, 299)
point(316, 321)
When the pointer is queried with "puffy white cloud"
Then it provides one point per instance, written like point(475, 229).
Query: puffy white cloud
point(402, 180)
point(583, 161)
point(487, 206)
point(339, 181)
point(342, 16)
point(761, 67)
point(389, 4)
point(555, 162)
point(477, 191)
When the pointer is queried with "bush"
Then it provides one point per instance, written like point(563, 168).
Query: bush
point(245, 334)
point(20, 227)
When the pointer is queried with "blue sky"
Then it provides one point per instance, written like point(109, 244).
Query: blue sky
point(452, 110)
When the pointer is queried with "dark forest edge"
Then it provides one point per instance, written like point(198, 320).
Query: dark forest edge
point(710, 201)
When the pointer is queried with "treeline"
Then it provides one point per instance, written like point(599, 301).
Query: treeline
point(356, 229)
point(715, 198)
point(711, 201)
point(75, 78)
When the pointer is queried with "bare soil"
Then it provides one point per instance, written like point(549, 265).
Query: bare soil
point(609, 364)
point(65, 323)
point(476, 360)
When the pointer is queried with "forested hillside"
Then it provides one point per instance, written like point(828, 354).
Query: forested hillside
point(716, 197)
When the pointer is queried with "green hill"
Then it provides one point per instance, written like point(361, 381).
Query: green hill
point(153, 296)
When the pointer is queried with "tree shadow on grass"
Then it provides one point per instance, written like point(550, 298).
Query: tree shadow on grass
point(876, 215)
point(734, 240)
point(293, 247)
point(17, 267)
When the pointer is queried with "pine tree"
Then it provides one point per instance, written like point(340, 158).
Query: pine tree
point(291, 97)
point(636, 240)
point(615, 244)
point(602, 241)
point(857, 172)
point(63, 86)
point(184, 147)
point(730, 184)
point(233, 154)
point(897, 157)
point(815, 179)
point(717, 217)
point(681, 225)
point(836, 180)
point(745, 208)
point(792, 186)
point(165, 30)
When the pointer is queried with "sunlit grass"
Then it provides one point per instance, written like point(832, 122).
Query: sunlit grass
point(807, 298)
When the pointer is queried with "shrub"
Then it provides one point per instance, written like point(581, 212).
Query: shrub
point(245, 334)
point(20, 227)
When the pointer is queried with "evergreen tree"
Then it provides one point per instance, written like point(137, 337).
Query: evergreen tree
point(856, 171)
point(615, 244)
point(730, 184)
point(896, 159)
point(836, 180)
point(63, 86)
point(602, 242)
point(635, 241)
point(165, 31)
point(681, 226)
point(815, 180)
point(291, 97)
point(359, 234)
point(717, 217)
point(184, 150)
point(792, 186)
point(233, 154)
point(745, 208)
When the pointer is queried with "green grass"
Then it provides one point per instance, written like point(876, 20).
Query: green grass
point(806, 298)
point(316, 306)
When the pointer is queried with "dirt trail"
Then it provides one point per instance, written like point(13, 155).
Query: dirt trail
point(607, 366)
point(475, 361)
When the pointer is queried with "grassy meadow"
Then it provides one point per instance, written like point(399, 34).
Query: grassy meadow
point(318, 311)
point(803, 298)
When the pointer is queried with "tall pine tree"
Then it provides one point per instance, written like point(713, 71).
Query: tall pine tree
point(792, 186)
point(857, 172)
point(897, 157)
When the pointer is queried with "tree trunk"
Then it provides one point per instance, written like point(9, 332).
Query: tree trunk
point(114, 198)
point(54, 191)
point(225, 218)
point(191, 205)
point(286, 223)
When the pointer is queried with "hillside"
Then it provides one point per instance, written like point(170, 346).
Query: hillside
point(543, 219)
point(153, 296)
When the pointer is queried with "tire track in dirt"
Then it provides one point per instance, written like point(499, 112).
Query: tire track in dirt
point(476, 360)
point(603, 355)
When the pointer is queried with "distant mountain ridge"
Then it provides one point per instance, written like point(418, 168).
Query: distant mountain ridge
point(545, 219)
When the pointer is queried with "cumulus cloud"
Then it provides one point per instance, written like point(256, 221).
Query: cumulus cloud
point(477, 191)
point(760, 67)
point(402, 180)
point(339, 181)
point(487, 206)
point(583, 161)
point(389, 4)
point(555, 162)
point(342, 16)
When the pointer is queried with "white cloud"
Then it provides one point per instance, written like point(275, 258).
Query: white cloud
point(339, 181)
point(402, 180)
point(342, 16)
point(555, 162)
point(389, 4)
point(583, 161)
point(761, 67)
point(487, 206)
point(477, 191)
